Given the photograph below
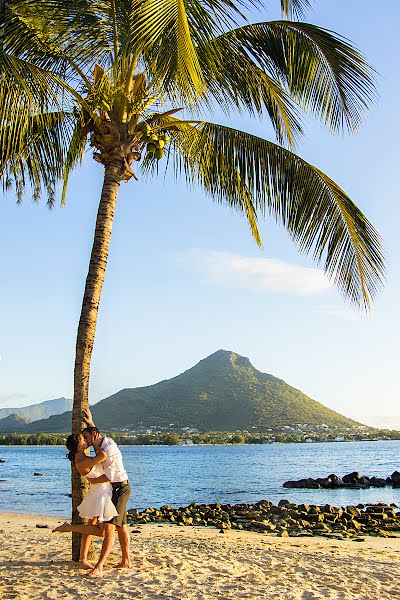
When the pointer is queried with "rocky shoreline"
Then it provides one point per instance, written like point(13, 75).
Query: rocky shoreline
point(351, 481)
point(283, 520)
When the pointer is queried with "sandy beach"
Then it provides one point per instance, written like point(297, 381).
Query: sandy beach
point(196, 563)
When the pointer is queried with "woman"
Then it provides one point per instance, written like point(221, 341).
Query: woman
point(97, 505)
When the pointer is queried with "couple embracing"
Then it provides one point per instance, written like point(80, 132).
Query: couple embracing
point(105, 503)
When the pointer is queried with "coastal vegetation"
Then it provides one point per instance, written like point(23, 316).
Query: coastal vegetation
point(207, 437)
point(114, 75)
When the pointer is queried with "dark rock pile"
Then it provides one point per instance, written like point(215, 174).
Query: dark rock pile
point(286, 519)
point(352, 481)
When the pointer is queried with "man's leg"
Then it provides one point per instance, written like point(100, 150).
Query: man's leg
point(120, 500)
point(124, 540)
point(108, 543)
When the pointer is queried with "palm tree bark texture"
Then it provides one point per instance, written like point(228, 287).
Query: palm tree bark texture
point(87, 323)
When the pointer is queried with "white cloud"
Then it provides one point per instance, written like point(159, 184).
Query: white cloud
point(255, 274)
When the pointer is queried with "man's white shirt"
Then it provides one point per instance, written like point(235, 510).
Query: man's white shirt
point(113, 465)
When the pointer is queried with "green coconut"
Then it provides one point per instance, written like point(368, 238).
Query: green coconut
point(160, 143)
point(159, 153)
point(151, 148)
point(145, 128)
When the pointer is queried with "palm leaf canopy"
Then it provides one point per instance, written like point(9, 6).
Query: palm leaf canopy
point(74, 72)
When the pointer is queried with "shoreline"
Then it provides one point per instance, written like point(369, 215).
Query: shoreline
point(197, 563)
point(184, 445)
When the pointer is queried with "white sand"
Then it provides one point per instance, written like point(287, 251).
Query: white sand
point(194, 563)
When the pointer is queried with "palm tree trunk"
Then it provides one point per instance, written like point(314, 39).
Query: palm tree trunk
point(87, 324)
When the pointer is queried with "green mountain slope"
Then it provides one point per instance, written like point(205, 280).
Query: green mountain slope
point(223, 392)
point(13, 423)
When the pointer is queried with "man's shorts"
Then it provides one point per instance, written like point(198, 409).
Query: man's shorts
point(120, 496)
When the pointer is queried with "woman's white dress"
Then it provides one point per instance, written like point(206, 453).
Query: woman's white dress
point(97, 502)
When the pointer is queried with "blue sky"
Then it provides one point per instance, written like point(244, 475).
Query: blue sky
point(185, 279)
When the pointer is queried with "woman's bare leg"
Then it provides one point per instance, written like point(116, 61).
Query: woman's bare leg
point(85, 545)
point(88, 529)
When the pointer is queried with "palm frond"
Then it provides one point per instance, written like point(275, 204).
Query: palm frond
point(320, 217)
point(322, 71)
point(295, 8)
point(74, 155)
point(38, 155)
point(162, 34)
point(211, 175)
point(66, 37)
point(235, 81)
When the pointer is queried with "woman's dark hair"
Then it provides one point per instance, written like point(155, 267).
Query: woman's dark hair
point(72, 444)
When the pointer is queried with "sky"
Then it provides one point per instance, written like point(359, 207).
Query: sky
point(185, 278)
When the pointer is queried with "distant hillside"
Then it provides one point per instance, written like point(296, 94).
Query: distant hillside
point(223, 392)
point(35, 412)
point(13, 423)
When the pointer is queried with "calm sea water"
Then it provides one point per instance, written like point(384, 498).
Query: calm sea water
point(179, 475)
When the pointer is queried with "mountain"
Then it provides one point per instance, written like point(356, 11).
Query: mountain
point(35, 412)
point(12, 423)
point(223, 392)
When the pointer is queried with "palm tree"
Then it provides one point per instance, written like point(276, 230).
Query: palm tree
point(131, 77)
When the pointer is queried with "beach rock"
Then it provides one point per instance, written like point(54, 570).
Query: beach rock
point(395, 479)
point(283, 502)
point(377, 482)
point(262, 526)
point(332, 481)
point(2, 461)
point(269, 519)
point(38, 474)
point(355, 479)
point(39, 526)
point(302, 483)
point(283, 533)
point(351, 481)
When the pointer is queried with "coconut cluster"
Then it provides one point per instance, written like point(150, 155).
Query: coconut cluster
point(155, 140)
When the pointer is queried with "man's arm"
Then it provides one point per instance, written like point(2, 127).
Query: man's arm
point(98, 450)
point(87, 417)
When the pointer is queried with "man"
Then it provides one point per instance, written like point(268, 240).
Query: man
point(114, 472)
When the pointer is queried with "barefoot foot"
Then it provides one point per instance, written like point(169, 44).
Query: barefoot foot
point(62, 528)
point(84, 564)
point(96, 572)
point(122, 565)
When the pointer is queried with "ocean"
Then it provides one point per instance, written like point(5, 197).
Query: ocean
point(179, 475)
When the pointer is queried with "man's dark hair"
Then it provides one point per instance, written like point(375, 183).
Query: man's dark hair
point(90, 430)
